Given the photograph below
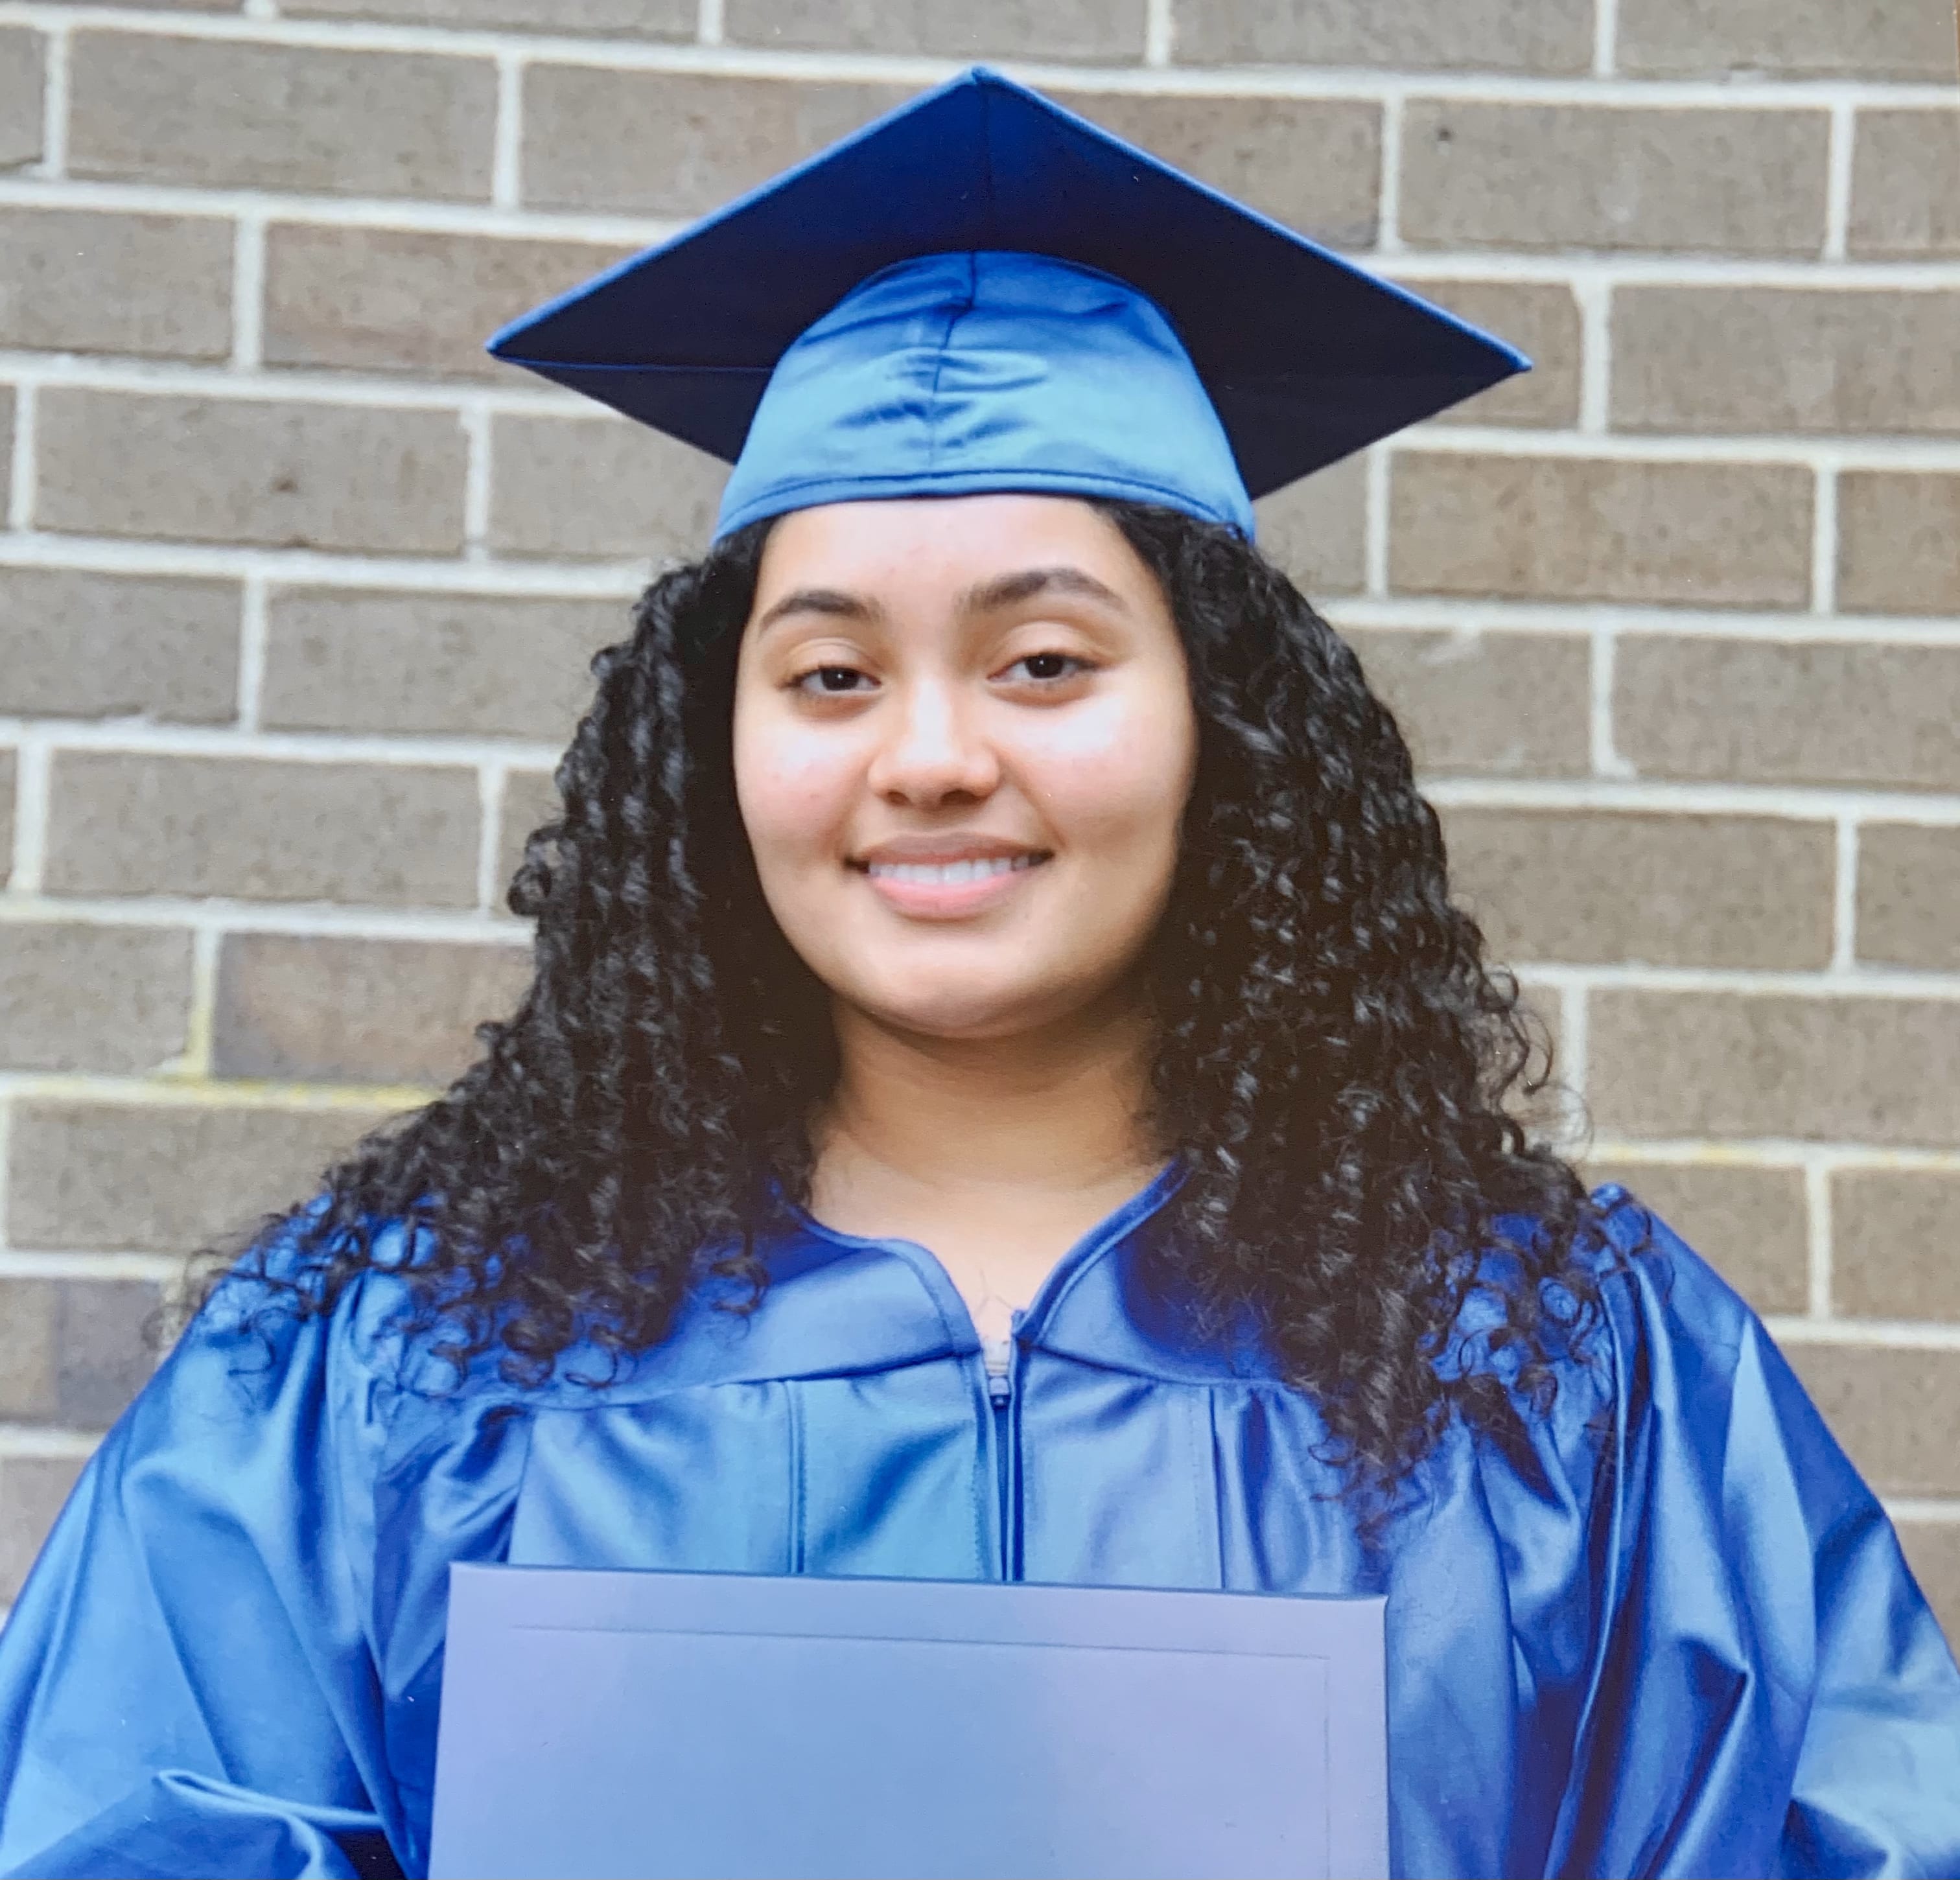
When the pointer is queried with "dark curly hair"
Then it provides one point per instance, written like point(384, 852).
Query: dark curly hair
point(1335, 1062)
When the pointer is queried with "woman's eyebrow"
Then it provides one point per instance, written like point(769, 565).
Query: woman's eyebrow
point(1004, 590)
point(1009, 590)
point(818, 600)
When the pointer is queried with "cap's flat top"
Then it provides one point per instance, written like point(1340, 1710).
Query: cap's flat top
point(1305, 356)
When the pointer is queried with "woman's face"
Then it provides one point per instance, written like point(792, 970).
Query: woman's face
point(963, 743)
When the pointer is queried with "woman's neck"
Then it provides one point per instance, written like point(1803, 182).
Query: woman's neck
point(997, 1154)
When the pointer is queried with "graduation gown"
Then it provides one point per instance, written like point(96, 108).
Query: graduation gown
point(1672, 1633)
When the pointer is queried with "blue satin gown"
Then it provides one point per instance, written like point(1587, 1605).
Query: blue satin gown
point(1670, 1632)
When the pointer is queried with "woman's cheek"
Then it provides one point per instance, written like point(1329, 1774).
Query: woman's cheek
point(1122, 786)
point(794, 792)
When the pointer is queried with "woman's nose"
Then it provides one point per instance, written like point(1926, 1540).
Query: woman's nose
point(934, 747)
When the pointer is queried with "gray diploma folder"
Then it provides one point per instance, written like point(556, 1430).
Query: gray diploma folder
point(715, 1725)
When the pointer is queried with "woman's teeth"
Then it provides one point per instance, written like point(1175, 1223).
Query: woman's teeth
point(938, 874)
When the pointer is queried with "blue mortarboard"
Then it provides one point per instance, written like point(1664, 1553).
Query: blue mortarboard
point(980, 291)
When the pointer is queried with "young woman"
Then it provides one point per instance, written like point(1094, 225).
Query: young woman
point(1005, 1093)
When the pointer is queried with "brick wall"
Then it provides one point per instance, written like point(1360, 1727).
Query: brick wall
point(297, 590)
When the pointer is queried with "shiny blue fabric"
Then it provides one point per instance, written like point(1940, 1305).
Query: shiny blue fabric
point(1304, 357)
point(954, 374)
point(1666, 1629)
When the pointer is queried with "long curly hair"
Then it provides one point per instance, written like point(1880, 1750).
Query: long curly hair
point(1339, 1068)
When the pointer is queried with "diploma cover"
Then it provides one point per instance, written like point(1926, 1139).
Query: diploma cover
point(633, 1725)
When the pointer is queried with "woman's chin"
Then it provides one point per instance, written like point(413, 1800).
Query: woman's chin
point(968, 1014)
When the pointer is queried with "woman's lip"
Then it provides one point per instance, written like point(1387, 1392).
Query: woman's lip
point(949, 900)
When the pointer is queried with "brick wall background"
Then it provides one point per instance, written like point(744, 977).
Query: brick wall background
point(297, 590)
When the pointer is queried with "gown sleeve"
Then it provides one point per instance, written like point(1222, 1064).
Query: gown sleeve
point(186, 1683)
point(1771, 1694)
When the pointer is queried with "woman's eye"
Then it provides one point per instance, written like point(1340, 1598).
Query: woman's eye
point(830, 679)
point(1048, 668)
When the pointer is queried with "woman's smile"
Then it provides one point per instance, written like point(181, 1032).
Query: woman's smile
point(949, 878)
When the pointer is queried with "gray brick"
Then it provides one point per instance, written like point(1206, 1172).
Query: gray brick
point(106, 1348)
point(1599, 885)
point(1494, 705)
point(1314, 163)
point(81, 280)
point(22, 89)
point(1894, 1411)
point(1778, 359)
point(1316, 530)
point(1559, 528)
point(6, 815)
point(1892, 1253)
point(32, 1490)
point(1690, 1064)
point(7, 442)
point(1111, 30)
point(216, 113)
point(380, 835)
point(163, 1179)
point(394, 300)
point(530, 801)
point(318, 1008)
point(1933, 1552)
point(295, 475)
point(1542, 321)
point(1868, 38)
point(81, 645)
point(1751, 1224)
point(339, 659)
point(1896, 533)
point(1904, 203)
point(1909, 897)
point(29, 1364)
point(675, 143)
point(75, 998)
point(573, 487)
point(1815, 712)
point(1564, 176)
point(617, 19)
point(1553, 36)
point(73, 1351)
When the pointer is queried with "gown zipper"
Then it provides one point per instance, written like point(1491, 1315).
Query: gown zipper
point(999, 1355)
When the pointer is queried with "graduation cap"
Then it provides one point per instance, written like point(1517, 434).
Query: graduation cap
point(982, 291)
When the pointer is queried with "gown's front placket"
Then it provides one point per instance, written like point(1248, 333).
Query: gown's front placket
point(1003, 1392)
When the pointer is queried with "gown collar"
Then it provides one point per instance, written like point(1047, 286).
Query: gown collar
point(840, 1304)
point(1110, 1236)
